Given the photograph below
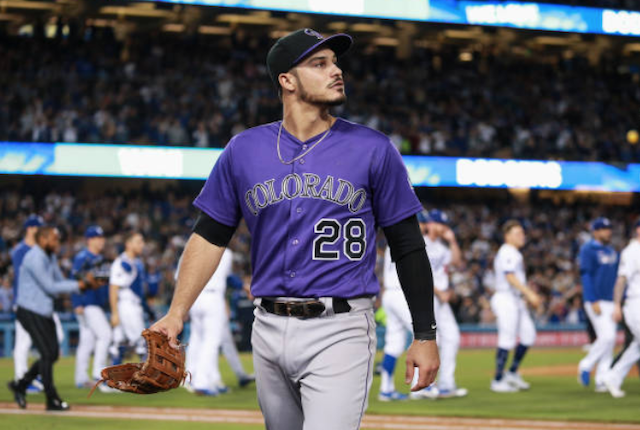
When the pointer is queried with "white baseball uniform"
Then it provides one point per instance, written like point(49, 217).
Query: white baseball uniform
point(127, 274)
point(629, 268)
point(208, 318)
point(513, 317)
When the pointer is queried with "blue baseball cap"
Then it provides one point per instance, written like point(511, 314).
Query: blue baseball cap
point(34, 221)
point(423, 216)
point(601, 223)
point(436, 215)
point(93, 231)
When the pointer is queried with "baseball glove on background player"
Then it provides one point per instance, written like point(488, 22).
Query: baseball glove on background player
point(163, 369)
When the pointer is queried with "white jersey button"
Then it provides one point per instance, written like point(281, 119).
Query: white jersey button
point(295, 241)
point(299, 210)
point(293, 274)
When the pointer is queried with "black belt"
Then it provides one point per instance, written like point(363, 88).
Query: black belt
point(303, 309)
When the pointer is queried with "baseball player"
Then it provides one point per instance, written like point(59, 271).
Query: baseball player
point(312, 190)
point(629, 278)
point(95, 331)
point(208, 315)
point(509, 304)
point(444, 252)
point(598, 270)
point(126, 292)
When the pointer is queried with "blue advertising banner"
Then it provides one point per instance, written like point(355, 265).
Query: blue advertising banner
point(132, 161)
point(524, 15)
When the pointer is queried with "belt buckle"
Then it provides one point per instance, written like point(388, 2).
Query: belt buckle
point(314, 309)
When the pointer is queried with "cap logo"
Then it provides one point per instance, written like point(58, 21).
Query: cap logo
point(310, 32)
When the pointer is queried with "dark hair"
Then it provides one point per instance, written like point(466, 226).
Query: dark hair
point(44, 231)
point(130, 234)
point(512, 223)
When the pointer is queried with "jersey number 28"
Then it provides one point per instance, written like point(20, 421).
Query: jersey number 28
point(328, 231)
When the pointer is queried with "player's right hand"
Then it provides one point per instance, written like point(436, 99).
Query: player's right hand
point(171, 326)
point(595, 306)
point(115, 320)
point(617, 313)
point(534, 299)
point(78, 310)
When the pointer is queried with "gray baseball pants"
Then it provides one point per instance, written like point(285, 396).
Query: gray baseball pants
point(314, 373)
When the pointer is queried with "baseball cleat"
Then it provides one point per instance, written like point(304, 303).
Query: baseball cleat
point(584, 377)
point(104, 388)
point(502, 386)
point(431, 393)
point(246, 380)
point(516, 380)
point(392, 396)
point(19, 395)
point(208, 393)
point(450, 394)
point(601, 388)
point(615, 391)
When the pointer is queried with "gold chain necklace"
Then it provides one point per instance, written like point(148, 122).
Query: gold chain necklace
point(304, 153)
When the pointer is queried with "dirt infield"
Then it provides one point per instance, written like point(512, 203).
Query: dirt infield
point(395, 422)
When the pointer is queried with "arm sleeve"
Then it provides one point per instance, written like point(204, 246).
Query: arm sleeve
point(52, 286)
point(211, 230)
point(414, 271)
point(588, 288)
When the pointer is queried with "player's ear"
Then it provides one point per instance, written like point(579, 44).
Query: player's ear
point(288, 82)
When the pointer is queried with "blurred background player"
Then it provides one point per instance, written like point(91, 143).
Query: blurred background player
point(629, 278)
point(509, 304)
point(22, 339)
point(95, 331)
point(443, 252)
point(126, 293)
point(598, 269)
point(210, 332)
point(207, 316)
point(398, 323)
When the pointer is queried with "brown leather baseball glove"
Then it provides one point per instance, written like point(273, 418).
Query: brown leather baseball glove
point(163, 369)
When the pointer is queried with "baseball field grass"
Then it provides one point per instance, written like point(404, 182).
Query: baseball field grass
point(555, 395)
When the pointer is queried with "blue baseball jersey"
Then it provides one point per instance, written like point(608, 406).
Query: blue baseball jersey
point(313, 221)
point(85, 260)
point(598, 270)
point(17, 255)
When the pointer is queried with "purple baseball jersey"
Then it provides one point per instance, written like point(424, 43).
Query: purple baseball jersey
point(313, 222)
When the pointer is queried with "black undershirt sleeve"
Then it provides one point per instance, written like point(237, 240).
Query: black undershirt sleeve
point(212, 231)
point(414, 270)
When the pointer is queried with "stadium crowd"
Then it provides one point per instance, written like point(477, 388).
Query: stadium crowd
point(554, 236)
point(192, 90)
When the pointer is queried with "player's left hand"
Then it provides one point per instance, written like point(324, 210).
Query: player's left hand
point(423, 355)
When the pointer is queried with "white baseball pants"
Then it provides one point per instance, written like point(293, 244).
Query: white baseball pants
point(95, 337)
point(601, 352)
point(632, 354)
point(513, 320)
point(208, 316)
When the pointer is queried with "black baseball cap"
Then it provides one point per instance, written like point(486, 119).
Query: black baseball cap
point(291, 49)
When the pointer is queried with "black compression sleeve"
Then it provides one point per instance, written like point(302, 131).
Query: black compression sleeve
point(414, 272)
point(214, 232)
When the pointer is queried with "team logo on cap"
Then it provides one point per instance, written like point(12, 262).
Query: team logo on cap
point(313, 33)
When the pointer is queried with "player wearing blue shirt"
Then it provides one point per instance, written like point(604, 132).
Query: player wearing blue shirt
point(95, 331)
point(598, 270)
